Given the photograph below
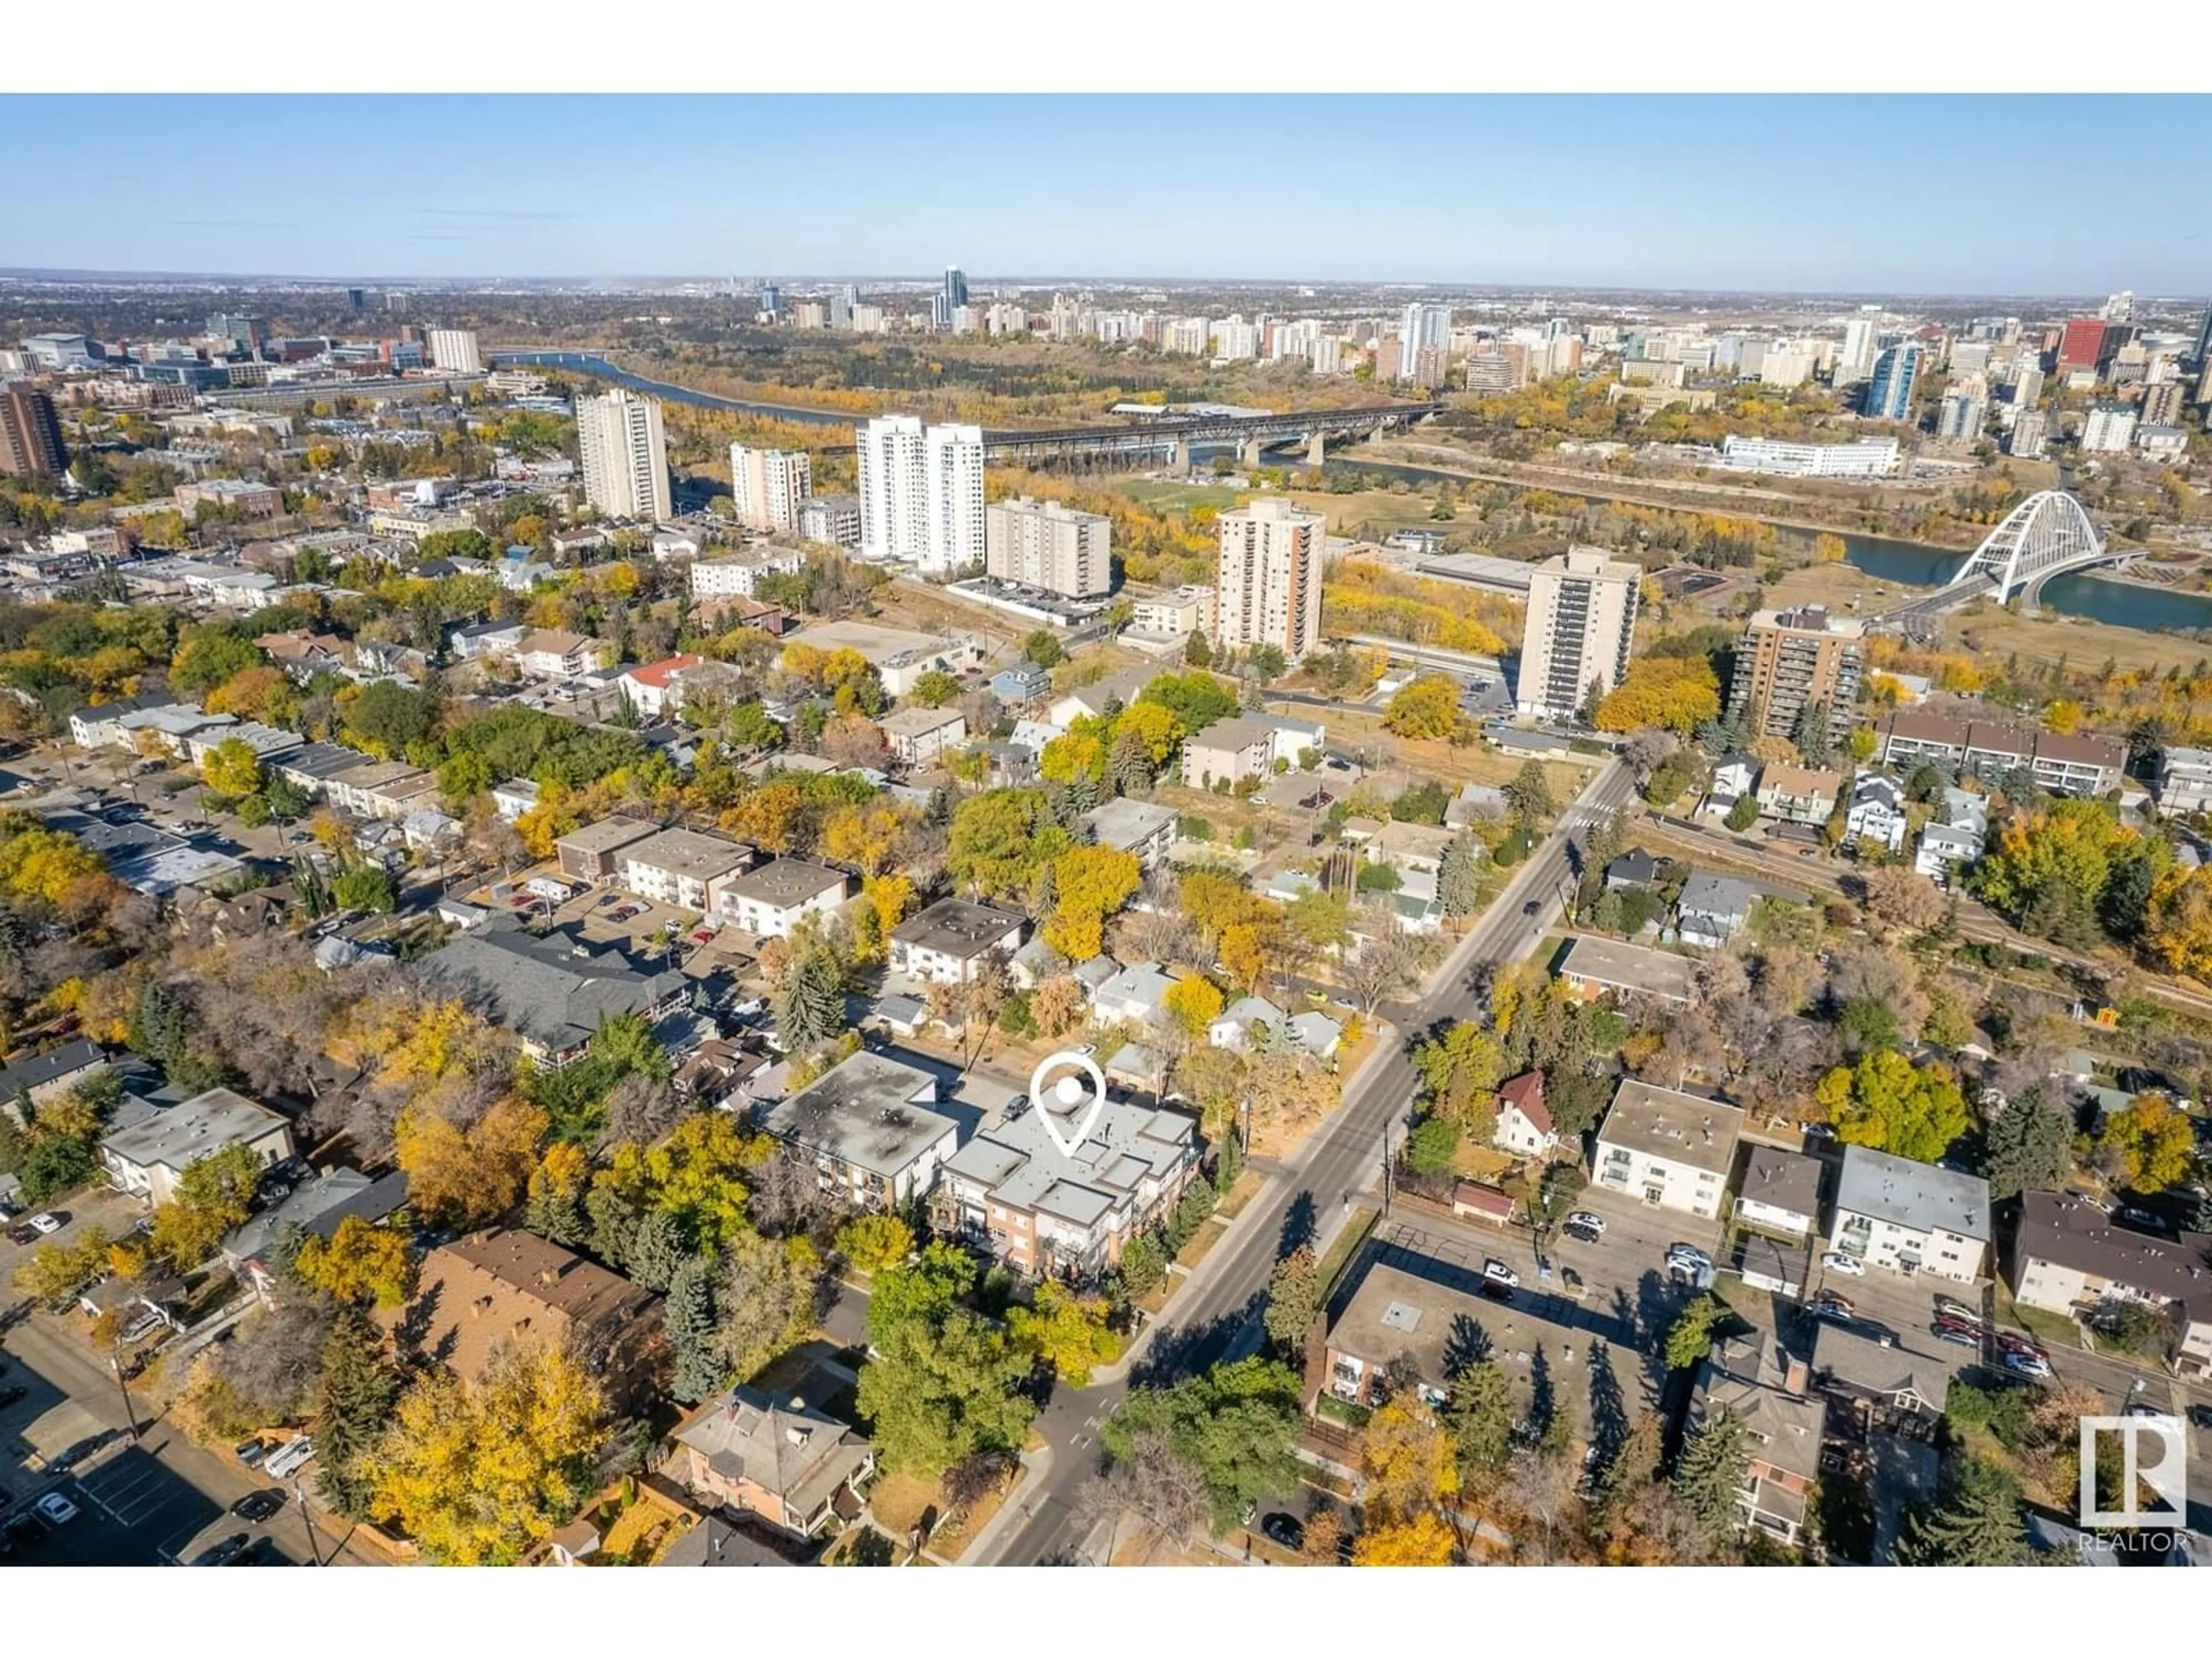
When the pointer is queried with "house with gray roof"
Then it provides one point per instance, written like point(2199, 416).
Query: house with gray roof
point(316, 1207)
point(867, 1126)
point(1135, 994)
point(1780, 1192)
point(1911, 1218)
point(1713, 910)
point(2069, 1257)
point(1042, 1210)
point(552, 990)
point(47, 1076)
point(1770, 1395)
point(1855, 1367)
point(775, 1456)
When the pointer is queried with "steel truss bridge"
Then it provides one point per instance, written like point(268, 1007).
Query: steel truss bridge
point(1175, 434)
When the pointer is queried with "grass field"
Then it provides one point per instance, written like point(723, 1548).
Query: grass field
point(1166, 495)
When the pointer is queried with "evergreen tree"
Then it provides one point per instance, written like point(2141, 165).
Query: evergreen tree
point(359, 1389)
point(1197, 653)
point(1816, 743)
point(1636, 1464)
point(1293, 1299)
point(1974, 1521)
point(658, 1250)
point(556, 1214)
point(157, 1028)
point(689, 1315)
point(1529, 794)
point(1459, 880)
point(1709, 1473)
point(1130, 765)
point(811, 1004)
point(1479, 1411)
point(2028, 1147)
point(614, 1221)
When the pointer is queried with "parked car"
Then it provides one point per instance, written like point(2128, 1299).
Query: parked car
point(289, 1456)
point(1946, 1308)
point(23, 1233)
point(2026, 1365)
point(1841, 1261)
point(57, 1509)
point(2014, 1342)
point(258, 1506)
point(1589, 1220)
point(144, 1325)
point(1689, 1253)
point(1499, 1274)
point(1580, 1235)
point(75, 1453)
point(251, 1452)
point(47, 1221)
point(1947, 1332)
point(1285, 1529)
point(223, 1550)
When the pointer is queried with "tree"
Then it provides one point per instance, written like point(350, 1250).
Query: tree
point(688, 1316)
point(658, 1250)
point(1411, 1464)
point(1904, 897)
point(1528, 795)
point(942, 1390)
point(1043, 647)
point(932, 688)
point(1459, 1070)
point(1431, 1146)
point(233, 767)
point(1151, 1486)
point(1883, 1101)
point(556, 1187)
point(1744, 813)
point(1195, 1003)
point(478, 1473)
point(1293, 1301)
point(1813, 734)
point(359, 1386)
point(365, 887)
point(1088, 884)
point(873, 1242)
point(1428, 707)
point(1709, 1476)
point(811, 1001)
point(1426, 1540)
point(1237, 1424)
point(1001, 839)
point(1065, 1331)
point(767, 1299)
point(1690, 1337)
point(360, 1263)
point(2177, 918)
point(1479, 1411)
point(2150, 1140)
point(214, 1195)
point(1056, 1004)
point(1974, 1521)
point(2028, 1147)
point(468, 1178)
point(1459, 878)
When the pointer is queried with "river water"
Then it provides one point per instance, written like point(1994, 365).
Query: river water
point(1908, 564)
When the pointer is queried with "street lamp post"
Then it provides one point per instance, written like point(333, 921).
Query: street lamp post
point(314, 1545)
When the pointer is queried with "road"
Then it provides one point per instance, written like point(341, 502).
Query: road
point(1217, 1310)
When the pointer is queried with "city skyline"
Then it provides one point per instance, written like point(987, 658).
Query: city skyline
point(1680, 193)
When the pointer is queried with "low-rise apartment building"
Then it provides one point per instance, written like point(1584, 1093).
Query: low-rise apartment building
point(593, 853)
point(552, 653)
point(1129, 825)
point(679, 867)
point(1798, 794)
point(2075, 764)
point(771, 900)
point(950, 942)
point(1780, 1193)
point(920, 737)
point(2069, 1257)
point(1594, 966)
point(1231, 751)
point(867, 1128)
point(1911, 1218)
point(1671, 1150)
point(150, 1156)
point(2185, 781)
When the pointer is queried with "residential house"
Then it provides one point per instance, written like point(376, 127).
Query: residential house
point(1294, 740)
point(593, 855)
point(513, 798)
point(950, 941)
point(1595, 967)
point(1858, 1371)
point(1034, 735)
point(1524, 1122)
point(1245, 1024)
point(679, 867)
point(2069, 1257)
point(1911, 1218)
point(1713, 910)
point(919, 738)
point(1734, 777)
point(554, 653)
point(1023, 683)
point(867, 1126)
point(1129, 825)
point(488, 1289)
point(1672, 1150)
point(553, 990)
point(1476, 803)
point(1134, 994)
point(1114, 692)
point(42, 1078)
point(1068, 1215)
point(148, 1157)
point(473, 640)
point(657, 687)
point(314, 1207)
point(775, 1455)
point(1634, 868)
point(1876, 812)
point(1798, 794)
point(770, 900)
point(1228, 752)
point(2185, 781)
point(1780, 1192)
point(1769, 1394)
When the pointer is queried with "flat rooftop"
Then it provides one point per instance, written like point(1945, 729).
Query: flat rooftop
point(191, 1129)
point(1916, 1195)
point(607, 836)
point(687, 853)
point(957, 927)
point(867, 1111)
point(1636, 968)
point(784, 882)
point(1674, 1127)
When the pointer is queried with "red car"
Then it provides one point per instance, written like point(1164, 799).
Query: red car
point(702, 936)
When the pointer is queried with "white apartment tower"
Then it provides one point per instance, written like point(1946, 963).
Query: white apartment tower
point(766, 485)
point(455, 350)
point(625, 457)
point(1582, 621)
point(1051, 545)
point(1268, 580)
point(921, 493)
point(1422, 326)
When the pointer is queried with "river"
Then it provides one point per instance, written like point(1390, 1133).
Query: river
point(584, 362)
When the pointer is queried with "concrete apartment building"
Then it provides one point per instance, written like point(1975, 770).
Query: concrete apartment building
point(948, 943)
point(1401, 1322)
point(1186, 611)
point(1230, 751)
point(1870, 457)
point(1049, 545)
point(2075, 764)
point(592, 854)
point(867, 1126)
point(771, 900)
point(832, 520)
point(766, 486)
point(1911, 1218)
point(1139, 827)
point(918, 736)
point(1012, 1191)
point(1581, 622)
point(148, 1158)
point(2185, 781)
point(30, 433)
point(737, 576)
point(624, 455)
point(2069, 1257)
point(679, 867)
point(1791, 659)
point(1268, 580)
point(1673, 1150)
point(454, 349)
point(240, 495)
point(921, 493)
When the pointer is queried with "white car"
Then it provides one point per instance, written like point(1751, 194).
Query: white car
point(57, 1509)
point(289, 1457)
point(1499, 1274)
point(46, 1224)
point(1588, 1221)
point(1837, 1262)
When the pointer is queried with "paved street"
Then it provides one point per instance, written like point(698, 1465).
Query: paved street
point(1215, 1313)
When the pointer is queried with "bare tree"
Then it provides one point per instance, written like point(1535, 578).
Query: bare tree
point(1387, 962)
point(1163, 1495)
point(640, 1109)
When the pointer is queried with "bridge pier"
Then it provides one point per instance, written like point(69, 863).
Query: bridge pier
point(1182, 455)
point(1250, 454)
point(1316, 448)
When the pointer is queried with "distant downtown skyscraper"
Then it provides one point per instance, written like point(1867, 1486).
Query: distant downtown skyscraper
point(1889, 393)
point(955, 286)
point(1423, 326)
point(624, 455)
point(921, 493)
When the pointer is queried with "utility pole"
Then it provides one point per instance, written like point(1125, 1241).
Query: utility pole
point(1386, 1172)
point(115, 1365)
point(314, 1545)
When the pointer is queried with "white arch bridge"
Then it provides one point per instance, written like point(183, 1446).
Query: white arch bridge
point(2046, 535)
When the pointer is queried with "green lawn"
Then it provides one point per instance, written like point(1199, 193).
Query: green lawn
point(1162, 495)
point(2056, 1329)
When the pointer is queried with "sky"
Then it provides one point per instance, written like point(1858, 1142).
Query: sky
point(1828, 194)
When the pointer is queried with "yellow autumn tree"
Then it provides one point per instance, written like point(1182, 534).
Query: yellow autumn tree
point(358, 1263)
point(1424, 1542)
point(477, 1473)
point(1195, 1002)
point(1088, 884)
point(1411, 1464)
point(471, 1177)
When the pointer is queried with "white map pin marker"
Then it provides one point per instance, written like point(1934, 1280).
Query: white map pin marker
point(1066, 1093)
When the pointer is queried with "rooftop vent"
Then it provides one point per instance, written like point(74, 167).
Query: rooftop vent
point(1400, 1317)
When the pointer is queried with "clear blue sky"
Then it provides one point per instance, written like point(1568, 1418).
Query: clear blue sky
point(1927, 194)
